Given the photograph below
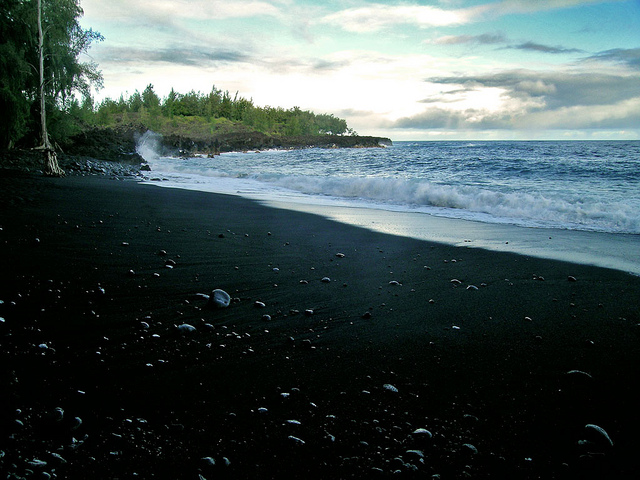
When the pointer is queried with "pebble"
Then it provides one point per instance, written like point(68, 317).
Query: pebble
point(266, 318)
point(423, 433)
point(186, 328)
point(468, 448)
point(472, 287)
point(579, 374)
point(77, 421)
point(219, 299)
point(390, 388)
point(296, 440)
point(326, 280)
point(394, 282)
point(259, 304)
point(598, 435)
point(572, 279)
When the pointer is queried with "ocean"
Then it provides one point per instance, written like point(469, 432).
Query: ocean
point(569, 200)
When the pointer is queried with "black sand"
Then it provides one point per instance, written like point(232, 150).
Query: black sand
point(490, 371)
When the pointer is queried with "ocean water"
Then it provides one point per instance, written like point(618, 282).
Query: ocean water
point(486, 192)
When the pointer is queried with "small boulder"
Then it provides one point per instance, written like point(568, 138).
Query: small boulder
point(219, 299)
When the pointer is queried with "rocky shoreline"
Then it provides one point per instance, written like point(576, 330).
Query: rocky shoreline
point(112, 151)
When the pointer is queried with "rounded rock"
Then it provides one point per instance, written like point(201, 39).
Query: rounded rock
point(219, 299)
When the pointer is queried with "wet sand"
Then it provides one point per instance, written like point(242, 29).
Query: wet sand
point(502, 358)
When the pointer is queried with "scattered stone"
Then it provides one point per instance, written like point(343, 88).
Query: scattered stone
point(266, 318)
point(423, 433)
point(390, 388)
point(208, 462)
point(219, 299)
point(326, 280)
point(598, 436)
point(394, 283)
point(340, 255)
point(470, 449)
point(259, 304)
point(418, 454)
point(456, 282)
point(308, 312)
point(572, 279)
point(366, 315)
point(186, 328)
point(296, 440)
point(472, 287)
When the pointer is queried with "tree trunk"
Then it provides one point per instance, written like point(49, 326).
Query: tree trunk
point(51, 167)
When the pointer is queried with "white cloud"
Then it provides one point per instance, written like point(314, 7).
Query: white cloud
point(168, 11)
point(378, 16)
point(530, 6)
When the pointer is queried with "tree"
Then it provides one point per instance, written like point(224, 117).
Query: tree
point(51, 167)
point(46, 34)
point(14, 72)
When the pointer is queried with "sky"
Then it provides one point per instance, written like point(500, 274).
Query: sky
point(408, 70)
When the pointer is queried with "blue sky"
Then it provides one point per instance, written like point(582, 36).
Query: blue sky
point(410, 70)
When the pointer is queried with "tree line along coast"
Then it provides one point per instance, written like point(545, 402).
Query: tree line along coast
point(47, 103)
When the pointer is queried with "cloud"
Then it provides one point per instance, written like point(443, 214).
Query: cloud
point(528, 6)
point(629, 57)
point(378, 16)
point(537, 47)
point(177, 56)
point(484, 39)
point(170, 10)
point(536, 100)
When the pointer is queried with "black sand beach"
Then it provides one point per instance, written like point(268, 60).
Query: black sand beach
point(416, 360)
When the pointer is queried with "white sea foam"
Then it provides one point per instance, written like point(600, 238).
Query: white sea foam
point(547, 184)
point(458, 201)
point(586, 195)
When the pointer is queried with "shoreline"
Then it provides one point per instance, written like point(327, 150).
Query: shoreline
point(600, 249)
point(477, 347)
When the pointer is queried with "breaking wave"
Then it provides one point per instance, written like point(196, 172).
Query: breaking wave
point(532, 192)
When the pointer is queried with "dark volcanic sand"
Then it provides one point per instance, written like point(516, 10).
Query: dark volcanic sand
point(485, 367)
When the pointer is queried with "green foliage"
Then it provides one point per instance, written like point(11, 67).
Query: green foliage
point(206, 111)
point(64, 74)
